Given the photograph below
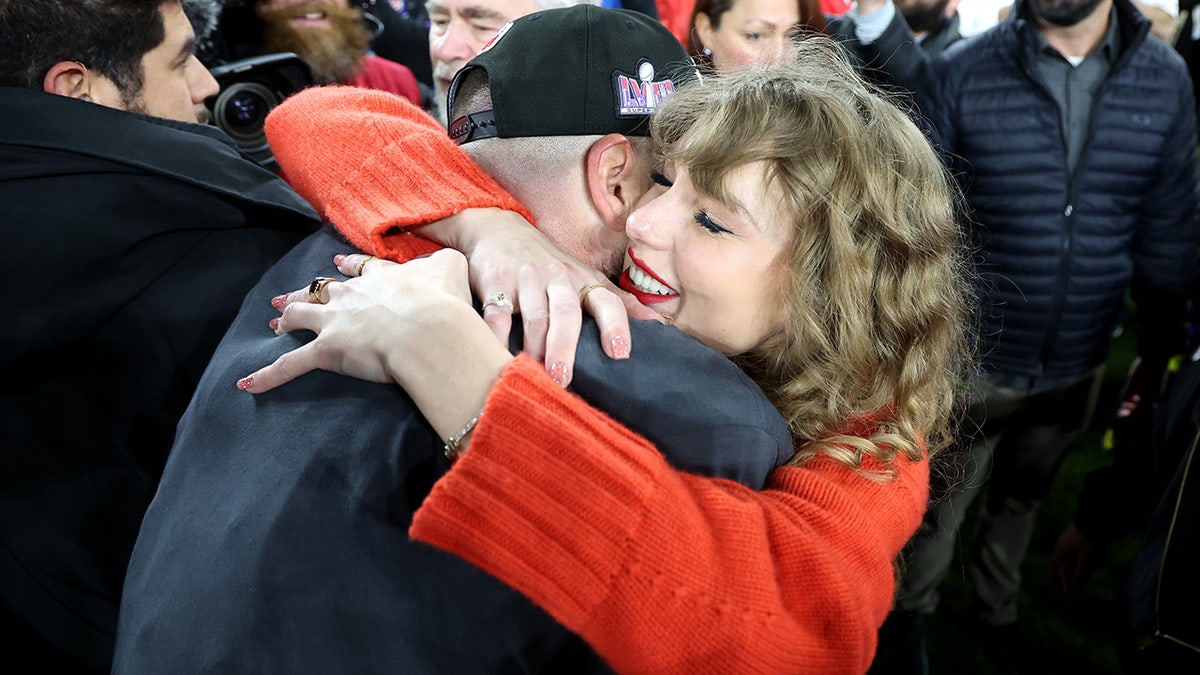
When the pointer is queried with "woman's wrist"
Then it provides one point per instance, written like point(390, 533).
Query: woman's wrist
point(448, 365)
point(457, 444)
point(462, 231)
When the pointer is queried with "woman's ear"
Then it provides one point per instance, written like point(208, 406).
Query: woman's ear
point(704, 30)
point(68, 78)
point(612, 179)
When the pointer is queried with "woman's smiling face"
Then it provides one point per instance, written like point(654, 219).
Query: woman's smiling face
point(714, 269)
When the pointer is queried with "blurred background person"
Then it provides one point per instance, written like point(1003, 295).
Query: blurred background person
point(1161, 13)
point(732, 34)
point(405, 36)
point(1151, 489)
point(458, 29)
point(1072, 132)
point(894, 41)
point(934, 23)
point(332, 36)
point(729, 35)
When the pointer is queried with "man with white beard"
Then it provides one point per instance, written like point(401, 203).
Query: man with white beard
point(458, 29)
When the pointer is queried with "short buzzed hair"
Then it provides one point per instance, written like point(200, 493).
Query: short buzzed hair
point(542, 158)
point(109, 37)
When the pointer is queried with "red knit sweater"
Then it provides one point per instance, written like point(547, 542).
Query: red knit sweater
point(375, 165)
point(666, 572)
point(660, 571)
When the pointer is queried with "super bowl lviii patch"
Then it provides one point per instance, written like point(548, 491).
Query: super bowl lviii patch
point(638, 96)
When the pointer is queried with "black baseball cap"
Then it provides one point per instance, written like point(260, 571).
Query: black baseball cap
point(575, 71)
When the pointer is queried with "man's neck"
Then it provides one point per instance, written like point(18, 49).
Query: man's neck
point(1082, 38)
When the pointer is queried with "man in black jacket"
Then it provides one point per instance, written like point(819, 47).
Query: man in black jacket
point(122, 207)
point(1073, 137)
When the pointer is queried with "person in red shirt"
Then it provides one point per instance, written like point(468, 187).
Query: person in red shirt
point(817, 247)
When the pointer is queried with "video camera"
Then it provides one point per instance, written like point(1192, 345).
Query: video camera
point(251, 83)
point(249, 89)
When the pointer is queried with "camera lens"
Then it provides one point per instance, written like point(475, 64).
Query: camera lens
point(241, 110)
point(250, 89)
point(245, 110)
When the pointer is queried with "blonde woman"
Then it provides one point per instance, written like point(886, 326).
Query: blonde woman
point(803, 227)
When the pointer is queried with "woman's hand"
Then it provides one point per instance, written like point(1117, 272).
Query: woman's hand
point(361, 323)
point(412, 324)
point(509, 259)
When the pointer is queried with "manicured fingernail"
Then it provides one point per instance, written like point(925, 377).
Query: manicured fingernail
point(620, 347)
point(279, 301)
point(274, 324)
point(246, 382)
point(337, 259)
point(558, 373)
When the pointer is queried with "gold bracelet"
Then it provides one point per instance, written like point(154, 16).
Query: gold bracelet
point(452, 444)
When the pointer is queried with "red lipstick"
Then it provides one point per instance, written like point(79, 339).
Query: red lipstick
point(626, 283)
point(647, 270)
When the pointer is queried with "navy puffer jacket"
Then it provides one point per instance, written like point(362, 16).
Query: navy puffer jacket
point(1056, 253)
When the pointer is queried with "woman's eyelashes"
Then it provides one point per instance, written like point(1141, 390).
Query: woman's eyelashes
point(705, 221)
point(702, 218)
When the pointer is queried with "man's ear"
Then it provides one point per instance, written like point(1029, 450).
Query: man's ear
point(613, 181)
point(68, 78)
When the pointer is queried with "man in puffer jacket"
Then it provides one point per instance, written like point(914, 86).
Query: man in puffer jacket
point(1073, 138)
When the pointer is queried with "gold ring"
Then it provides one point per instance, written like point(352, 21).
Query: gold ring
point(314, 289)
point(499, 300)
point(588, 289)
point(361, 265)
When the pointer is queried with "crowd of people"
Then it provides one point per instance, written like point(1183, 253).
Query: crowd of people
point(582, 336)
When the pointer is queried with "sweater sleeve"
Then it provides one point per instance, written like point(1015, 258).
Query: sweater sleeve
point(663, 571)
point(373, 164)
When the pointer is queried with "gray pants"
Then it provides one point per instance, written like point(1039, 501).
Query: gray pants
point(1014, 440)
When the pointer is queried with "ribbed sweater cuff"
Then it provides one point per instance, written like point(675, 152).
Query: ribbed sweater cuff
point(372, 163)
point(483, 499)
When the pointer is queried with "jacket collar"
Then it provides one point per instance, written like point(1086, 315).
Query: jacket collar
point(1132, 27)
point(193, 153)
point(947, 33)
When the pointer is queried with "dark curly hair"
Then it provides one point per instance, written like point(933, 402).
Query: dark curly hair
point(108, 36)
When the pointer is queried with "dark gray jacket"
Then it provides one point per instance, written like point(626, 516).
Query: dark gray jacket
point(278, 539)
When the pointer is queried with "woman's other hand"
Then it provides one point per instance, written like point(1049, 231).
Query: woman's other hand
point(510, 260)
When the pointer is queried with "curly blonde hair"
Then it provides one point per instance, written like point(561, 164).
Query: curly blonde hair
point(873, 345)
